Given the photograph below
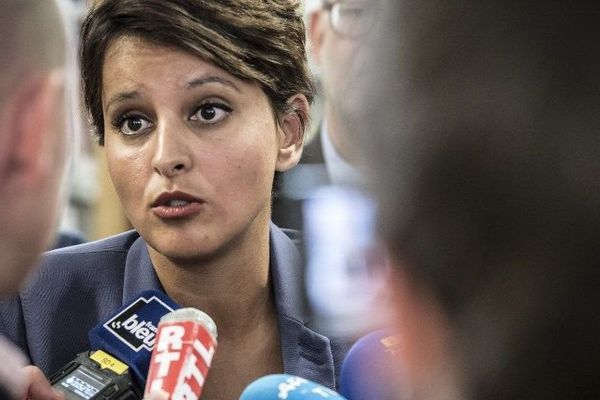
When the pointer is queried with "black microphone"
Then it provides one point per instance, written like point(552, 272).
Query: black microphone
point(117, 364)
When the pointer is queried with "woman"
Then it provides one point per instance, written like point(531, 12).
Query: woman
point(198, 103)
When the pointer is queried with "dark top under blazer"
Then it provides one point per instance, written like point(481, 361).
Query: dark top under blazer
point(309, 174)
point(81, 285)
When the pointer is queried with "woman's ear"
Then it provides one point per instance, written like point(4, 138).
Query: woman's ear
point(292, 126)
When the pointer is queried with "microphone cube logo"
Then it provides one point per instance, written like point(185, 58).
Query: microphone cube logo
point(136, 325)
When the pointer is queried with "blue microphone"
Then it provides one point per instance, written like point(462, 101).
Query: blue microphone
point(121, 348)
point(287, 387)
point(372, 369)
point(130, 333)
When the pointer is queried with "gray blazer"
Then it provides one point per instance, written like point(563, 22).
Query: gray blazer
point(79, 286)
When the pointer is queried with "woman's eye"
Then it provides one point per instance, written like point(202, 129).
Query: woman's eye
point(211, 113)
point(132, 125)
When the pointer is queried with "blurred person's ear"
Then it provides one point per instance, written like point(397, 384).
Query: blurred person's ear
point(318, 25)
point(33, 130)
point(292, 127)
point(424, 335)
point(33, 119)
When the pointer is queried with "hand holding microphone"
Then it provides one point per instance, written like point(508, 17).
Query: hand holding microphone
point(19, 380)
point(122, 356)
point(117, 365)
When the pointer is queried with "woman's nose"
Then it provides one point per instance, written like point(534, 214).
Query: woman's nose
point(172, 154)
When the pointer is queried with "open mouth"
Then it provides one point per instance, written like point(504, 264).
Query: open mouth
point(176, 205)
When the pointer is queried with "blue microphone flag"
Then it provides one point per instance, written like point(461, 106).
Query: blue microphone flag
point(129, 334)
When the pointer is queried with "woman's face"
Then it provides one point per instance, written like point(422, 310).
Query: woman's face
point(191, 149)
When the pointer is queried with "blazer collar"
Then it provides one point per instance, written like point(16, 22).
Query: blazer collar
point(306, 353)
point(139, 272)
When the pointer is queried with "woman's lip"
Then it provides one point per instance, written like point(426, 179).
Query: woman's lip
point(168, 212)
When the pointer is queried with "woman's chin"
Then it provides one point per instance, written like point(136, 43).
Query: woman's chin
point(187, 252)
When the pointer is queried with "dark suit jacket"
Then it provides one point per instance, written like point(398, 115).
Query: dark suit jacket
point(295, 184)
point(81, 285)
point(313, 151)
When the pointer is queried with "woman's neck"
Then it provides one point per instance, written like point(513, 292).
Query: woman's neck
point(233, 287)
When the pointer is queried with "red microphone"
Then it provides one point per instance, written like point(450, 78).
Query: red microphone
point(185, 345)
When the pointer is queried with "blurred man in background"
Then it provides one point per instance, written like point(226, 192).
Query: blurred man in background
point(483, 147)
point(322, 195)
point(335, 29)
point(32, 153)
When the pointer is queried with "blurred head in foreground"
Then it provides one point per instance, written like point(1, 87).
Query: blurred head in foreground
point(485, 157)
point(32, 133)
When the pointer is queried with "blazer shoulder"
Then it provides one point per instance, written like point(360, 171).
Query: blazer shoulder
point(117, 243)
point(102, 259)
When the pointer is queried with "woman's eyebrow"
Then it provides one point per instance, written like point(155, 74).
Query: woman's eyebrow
point(120, 97)
point(211, 79)
point(203, 80)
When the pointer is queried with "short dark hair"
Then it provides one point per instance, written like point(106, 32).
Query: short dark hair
point(482, 130)
point(257, 40)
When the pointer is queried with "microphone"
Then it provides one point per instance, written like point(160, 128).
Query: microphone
point(287, 387)
point(187, 339)
point(372, 370)
point(117, 364)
